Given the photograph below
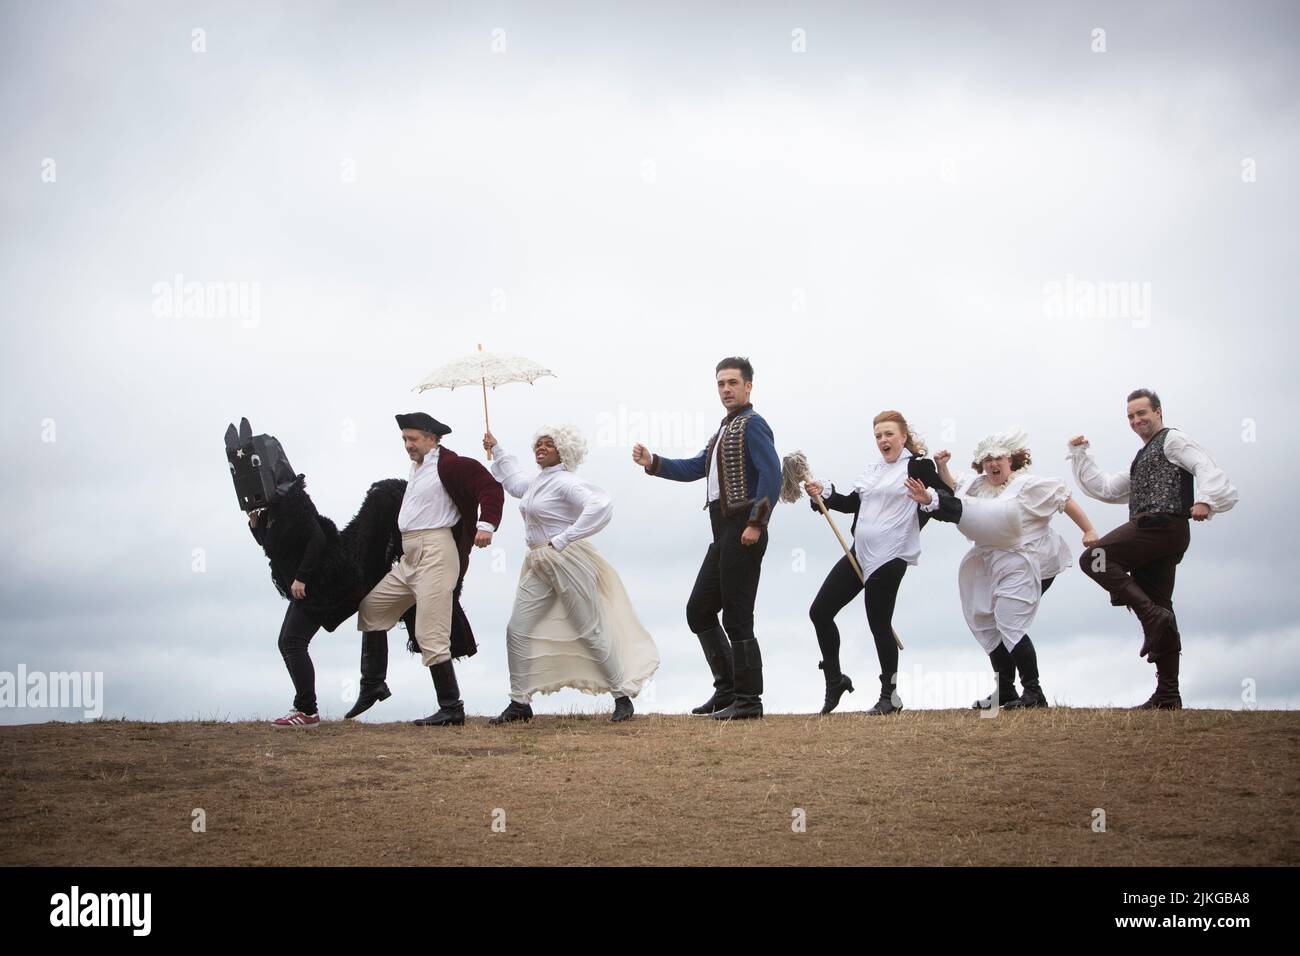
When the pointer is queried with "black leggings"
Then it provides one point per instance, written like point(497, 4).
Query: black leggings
point(295, 634)
point(842, 586)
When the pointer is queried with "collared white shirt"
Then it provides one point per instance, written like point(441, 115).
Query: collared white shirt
point(556, 504)
point(426, 505)
point(715, 492)
point(1212, 485)
point(887, 524)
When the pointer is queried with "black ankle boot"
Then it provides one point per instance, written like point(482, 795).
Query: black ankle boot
point(748, 702)
point(1026, 659)
point(1166, 696)
point(837, 685)
point(1005, 667)
point(513, 712)
point(622, 709)
point(451, 710)
point(374, 669)
point(717, 651)
point(889, 702)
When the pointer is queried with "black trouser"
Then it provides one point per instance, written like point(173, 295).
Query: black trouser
point(842, 586)
point(728, 579)
point(295, 634)
point(1148, 548)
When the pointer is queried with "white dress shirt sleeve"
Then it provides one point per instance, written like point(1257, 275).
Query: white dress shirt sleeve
point(1113, 489)
point(597, 509)
point(506, 469)
point(1212, 485)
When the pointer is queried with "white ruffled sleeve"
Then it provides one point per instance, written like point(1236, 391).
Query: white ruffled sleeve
point(1043, 497)
point(1113, 489)
point(1212, 485)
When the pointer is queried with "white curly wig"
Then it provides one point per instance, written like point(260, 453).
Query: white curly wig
point(568, 442)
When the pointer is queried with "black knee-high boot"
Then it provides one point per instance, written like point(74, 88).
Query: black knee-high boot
point(1005, 667)
point(1026, 659)
point(451, 710)
point(717, 651)
point(748, 664)
point(374, 670)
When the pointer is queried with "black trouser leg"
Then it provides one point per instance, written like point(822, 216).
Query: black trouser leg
point(296, 633)
point(840, 587)
point(702, 617)
point(881, 596)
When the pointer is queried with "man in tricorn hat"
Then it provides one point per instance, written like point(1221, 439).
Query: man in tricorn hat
point(450, 504)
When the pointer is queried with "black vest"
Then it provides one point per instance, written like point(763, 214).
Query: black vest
point(1156, 484)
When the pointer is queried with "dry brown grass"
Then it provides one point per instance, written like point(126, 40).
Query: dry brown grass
point(926, 787)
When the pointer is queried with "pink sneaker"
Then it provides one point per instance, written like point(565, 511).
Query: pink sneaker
point(296, 718)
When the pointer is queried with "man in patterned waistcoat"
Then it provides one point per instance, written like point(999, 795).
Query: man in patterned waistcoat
point(743, 475)
point(1171, 480)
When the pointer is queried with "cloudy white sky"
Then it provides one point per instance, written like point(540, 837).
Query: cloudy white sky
point(877, 203)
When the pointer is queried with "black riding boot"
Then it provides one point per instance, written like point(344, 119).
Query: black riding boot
point(374, 669)
point(1026, 659)
point(748, 701)
point(1005, 667)
point(451, 710)
point(837, 685)
point(889, 702)
point(622, 709)
point(1166, 696)
point(717, 651)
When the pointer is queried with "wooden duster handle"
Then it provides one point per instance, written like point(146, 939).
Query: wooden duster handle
point(486, 425)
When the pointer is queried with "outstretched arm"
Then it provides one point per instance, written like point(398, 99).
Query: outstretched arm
point(1112, 489)
point(1076, 514)
point(506, 469)
point(674, 469)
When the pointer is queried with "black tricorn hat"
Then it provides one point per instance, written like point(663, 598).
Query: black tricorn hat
point(424, 422)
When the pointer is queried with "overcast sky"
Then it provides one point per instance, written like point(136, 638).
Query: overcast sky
point(903, 206)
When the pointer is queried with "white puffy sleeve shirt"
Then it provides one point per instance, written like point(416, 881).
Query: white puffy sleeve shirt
point(557, 506)
point(1212, 486)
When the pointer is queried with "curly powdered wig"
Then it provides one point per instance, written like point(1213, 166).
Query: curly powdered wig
point(568, 442)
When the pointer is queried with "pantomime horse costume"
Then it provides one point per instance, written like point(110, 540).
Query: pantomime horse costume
point(341, 567)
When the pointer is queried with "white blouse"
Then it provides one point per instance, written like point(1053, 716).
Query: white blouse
point(1037, 500)
point(887, 523)
point(1212, 485)
point(556, 504)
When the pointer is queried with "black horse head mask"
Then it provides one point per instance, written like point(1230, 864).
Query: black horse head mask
point(259, 466)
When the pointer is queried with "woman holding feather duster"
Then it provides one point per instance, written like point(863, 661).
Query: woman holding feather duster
point(886, 539)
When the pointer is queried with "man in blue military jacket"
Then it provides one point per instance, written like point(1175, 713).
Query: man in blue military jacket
point(743, 474)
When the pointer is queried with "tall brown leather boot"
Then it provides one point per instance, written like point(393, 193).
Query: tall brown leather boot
point(1159, 626)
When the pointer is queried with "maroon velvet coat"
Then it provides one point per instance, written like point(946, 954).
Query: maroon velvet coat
point(477, 496)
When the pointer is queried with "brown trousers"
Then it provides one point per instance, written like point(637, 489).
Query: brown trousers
point(1148, 548)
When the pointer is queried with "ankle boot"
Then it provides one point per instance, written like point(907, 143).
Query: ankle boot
point(514, 711)
point(1159, 626)
point(451, 710)
point(748, 701)
point(374, 669)
point(1026, 659)
point(1005, 667)
point(837, 685)
point(1166, 696)
point(889, 702)
point(622, 709)
point(717, 651)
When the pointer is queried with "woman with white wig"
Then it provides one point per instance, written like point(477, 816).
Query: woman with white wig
point(1006, 512)
point(572, 623)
